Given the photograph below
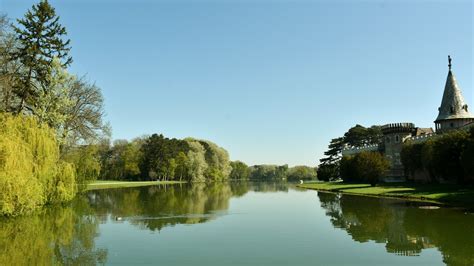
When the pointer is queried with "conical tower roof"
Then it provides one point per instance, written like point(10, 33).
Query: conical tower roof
point(453, 105)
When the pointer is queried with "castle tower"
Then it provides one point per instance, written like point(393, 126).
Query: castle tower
point(394, 136)
point(453, 112)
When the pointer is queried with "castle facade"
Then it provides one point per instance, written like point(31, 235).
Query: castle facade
point(453, 114)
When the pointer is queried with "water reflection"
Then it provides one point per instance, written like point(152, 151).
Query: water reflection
point(155, 207)
point(405, 229)
point(63, 235)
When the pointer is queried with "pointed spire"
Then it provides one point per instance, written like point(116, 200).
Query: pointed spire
point(453, 105)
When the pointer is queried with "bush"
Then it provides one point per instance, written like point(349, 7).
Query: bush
point(31, 174)
point(365, 167)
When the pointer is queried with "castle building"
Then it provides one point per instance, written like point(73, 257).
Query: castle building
point(453, 115)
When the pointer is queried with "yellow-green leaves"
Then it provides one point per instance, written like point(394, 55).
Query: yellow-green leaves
point(31, 173)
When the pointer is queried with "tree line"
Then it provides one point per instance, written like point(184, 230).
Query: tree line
point(271, 172)
point(157, 157)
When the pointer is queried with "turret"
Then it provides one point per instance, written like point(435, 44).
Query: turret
point(453, 112)
point(394, 135)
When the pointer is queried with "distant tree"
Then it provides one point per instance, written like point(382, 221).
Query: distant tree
point(196, 163)
point(86, 162)
point(239, 170)
point(181, 165)
point(301, 172)
point(217, 160)
point(268, 172)
point(41, 39)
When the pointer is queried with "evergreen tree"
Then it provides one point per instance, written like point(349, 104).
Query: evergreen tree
point(40, 38)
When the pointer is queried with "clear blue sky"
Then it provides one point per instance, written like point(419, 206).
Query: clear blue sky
point(270, 81)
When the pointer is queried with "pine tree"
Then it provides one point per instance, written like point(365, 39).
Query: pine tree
point(40, 38)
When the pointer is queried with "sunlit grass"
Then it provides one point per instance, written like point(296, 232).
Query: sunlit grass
point(430, 192)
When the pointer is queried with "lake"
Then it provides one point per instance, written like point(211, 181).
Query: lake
point(237, 223)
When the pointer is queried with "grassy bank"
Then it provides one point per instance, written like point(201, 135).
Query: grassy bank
point(103, 184)
point(447, 194)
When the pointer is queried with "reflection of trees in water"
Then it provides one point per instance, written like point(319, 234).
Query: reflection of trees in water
point(65, 235)
point(405, 230)
point(155, 207)
point(60, 235)
point(269, 186)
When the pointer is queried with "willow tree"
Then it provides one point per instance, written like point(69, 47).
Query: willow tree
point(41, 38)
point(31, 173)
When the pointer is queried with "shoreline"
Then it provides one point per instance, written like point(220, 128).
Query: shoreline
point(446, 195)
point(106, 184)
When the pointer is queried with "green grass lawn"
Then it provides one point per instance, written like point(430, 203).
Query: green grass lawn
point(103, 184)
point(441, 193)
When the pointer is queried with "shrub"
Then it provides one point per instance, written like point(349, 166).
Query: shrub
point(327, 172)
point(365, 167)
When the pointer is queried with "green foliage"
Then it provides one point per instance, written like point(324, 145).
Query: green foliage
point(359, 136)
point(196, 163)
point(364, 166)
point(356, 136)
point(301, 172)
point(52, 104)
point(217, 160)
point(239, 170)
point(40, 39)
point(121, 161)
point(447, 158)
point(158, 153)
point(467, 157)
point(31, 173)
point(279, 172)
point(64, 235)
point(328, 172)
point(86, 161)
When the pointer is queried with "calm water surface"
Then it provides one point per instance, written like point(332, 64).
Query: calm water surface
point(237, 224)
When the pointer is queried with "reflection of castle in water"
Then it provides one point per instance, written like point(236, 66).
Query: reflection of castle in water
point(405, 230)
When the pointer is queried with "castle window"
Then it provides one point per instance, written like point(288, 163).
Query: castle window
point(452, 109)
point(451, 124)
point(397, 138)
point(387, 139)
